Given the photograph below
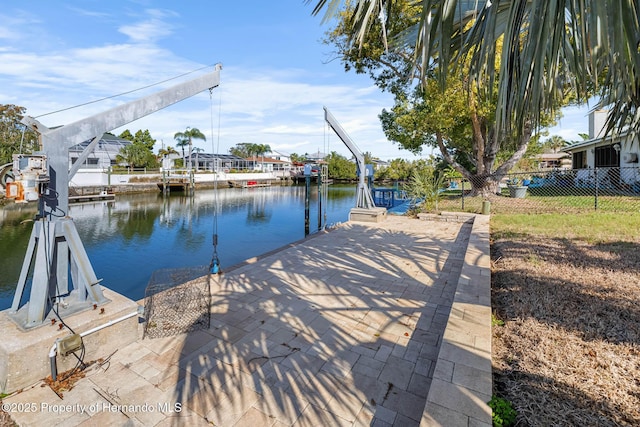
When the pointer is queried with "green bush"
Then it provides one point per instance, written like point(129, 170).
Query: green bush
point(503, 413)
point(426, 185)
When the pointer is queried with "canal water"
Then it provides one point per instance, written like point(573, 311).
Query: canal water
point(128, 239)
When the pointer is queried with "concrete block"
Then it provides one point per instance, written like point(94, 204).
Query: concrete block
point(24, 355)
point(368, 215)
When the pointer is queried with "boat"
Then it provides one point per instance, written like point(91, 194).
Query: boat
point(249, 184)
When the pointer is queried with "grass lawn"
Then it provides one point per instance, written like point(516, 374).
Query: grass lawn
point(567, 288)
point(541, 204)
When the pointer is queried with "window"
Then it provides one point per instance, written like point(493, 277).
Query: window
point(607, 157)
point(580, 160)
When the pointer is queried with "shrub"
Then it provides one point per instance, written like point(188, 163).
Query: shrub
point(503, 413)
point(426, 185)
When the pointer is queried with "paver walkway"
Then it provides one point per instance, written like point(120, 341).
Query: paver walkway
point(341, 329)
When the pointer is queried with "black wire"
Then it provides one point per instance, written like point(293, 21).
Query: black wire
point(49, 197)
point(55, 309)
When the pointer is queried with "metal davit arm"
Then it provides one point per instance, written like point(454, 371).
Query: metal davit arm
point(54, 244)
point(363, 197)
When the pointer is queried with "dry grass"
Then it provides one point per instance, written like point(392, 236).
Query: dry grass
point(5, 420)
point(569, 350)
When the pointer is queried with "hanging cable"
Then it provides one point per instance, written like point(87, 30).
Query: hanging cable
point(123, 93)
point(214, 266)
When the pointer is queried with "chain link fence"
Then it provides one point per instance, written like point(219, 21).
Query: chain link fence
point(555, 191)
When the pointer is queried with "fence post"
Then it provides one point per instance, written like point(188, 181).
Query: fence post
point(462, 193)
point(595, 177)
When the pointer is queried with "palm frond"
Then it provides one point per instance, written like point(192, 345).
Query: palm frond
point(548, 47)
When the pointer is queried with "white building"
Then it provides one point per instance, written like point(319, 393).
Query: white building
point(103, 155)
point(616, 155)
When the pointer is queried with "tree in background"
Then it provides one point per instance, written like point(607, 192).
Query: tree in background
point(186, 139)
point(248, 149)
point(555, 143)
point(241, 149)
point(142, 137)
point(261, 150)
point(459, 121)
point(164, 152)
point(15, 138)
point(137, 155)
point(397, 170)
point(339, 167)
point(297, 158)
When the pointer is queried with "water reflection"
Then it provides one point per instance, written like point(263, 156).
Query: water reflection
point(128, 239)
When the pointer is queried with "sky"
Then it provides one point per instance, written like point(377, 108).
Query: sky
point(277, 74)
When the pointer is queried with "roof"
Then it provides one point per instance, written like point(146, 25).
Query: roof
point(595, 141)
point(206, 156)
point(107, 141)
point(264, 160)
point(551, 156)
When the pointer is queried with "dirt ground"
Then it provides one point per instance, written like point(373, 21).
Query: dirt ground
point(568, 353)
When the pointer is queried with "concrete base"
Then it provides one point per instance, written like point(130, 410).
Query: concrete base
point(368, 215)
point(24, 355)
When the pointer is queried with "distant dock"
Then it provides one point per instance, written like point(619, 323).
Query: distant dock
point(177, 182)
point(104, 196)
point(249, 184)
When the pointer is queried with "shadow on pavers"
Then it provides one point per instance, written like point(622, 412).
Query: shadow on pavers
point(333, 330)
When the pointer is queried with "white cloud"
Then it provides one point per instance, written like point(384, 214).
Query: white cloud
point(150, 29)
point(280, 107)
point(88, 13)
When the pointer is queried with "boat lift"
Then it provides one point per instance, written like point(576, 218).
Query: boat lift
point(55, 250)
point(365, 209)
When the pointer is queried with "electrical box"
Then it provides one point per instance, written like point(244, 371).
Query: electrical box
point(68, 344)
point(31, 175)
point(369, 170)
point(14, 191)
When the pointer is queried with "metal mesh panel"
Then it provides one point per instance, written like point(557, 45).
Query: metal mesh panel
point(176, 301)
point(554, 191)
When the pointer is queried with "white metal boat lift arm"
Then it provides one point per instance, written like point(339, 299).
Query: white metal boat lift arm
point(54, 239)
point(363, 199)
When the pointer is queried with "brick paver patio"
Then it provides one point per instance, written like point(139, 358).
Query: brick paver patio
point(342, 329)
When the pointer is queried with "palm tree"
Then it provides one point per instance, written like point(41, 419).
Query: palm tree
point(186, 138)
point(260, 150)
point(164, 152)
point(555, 142)
point(549, 46)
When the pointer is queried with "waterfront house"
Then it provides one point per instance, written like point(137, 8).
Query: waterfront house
point(615, 154)
point(103, 155)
